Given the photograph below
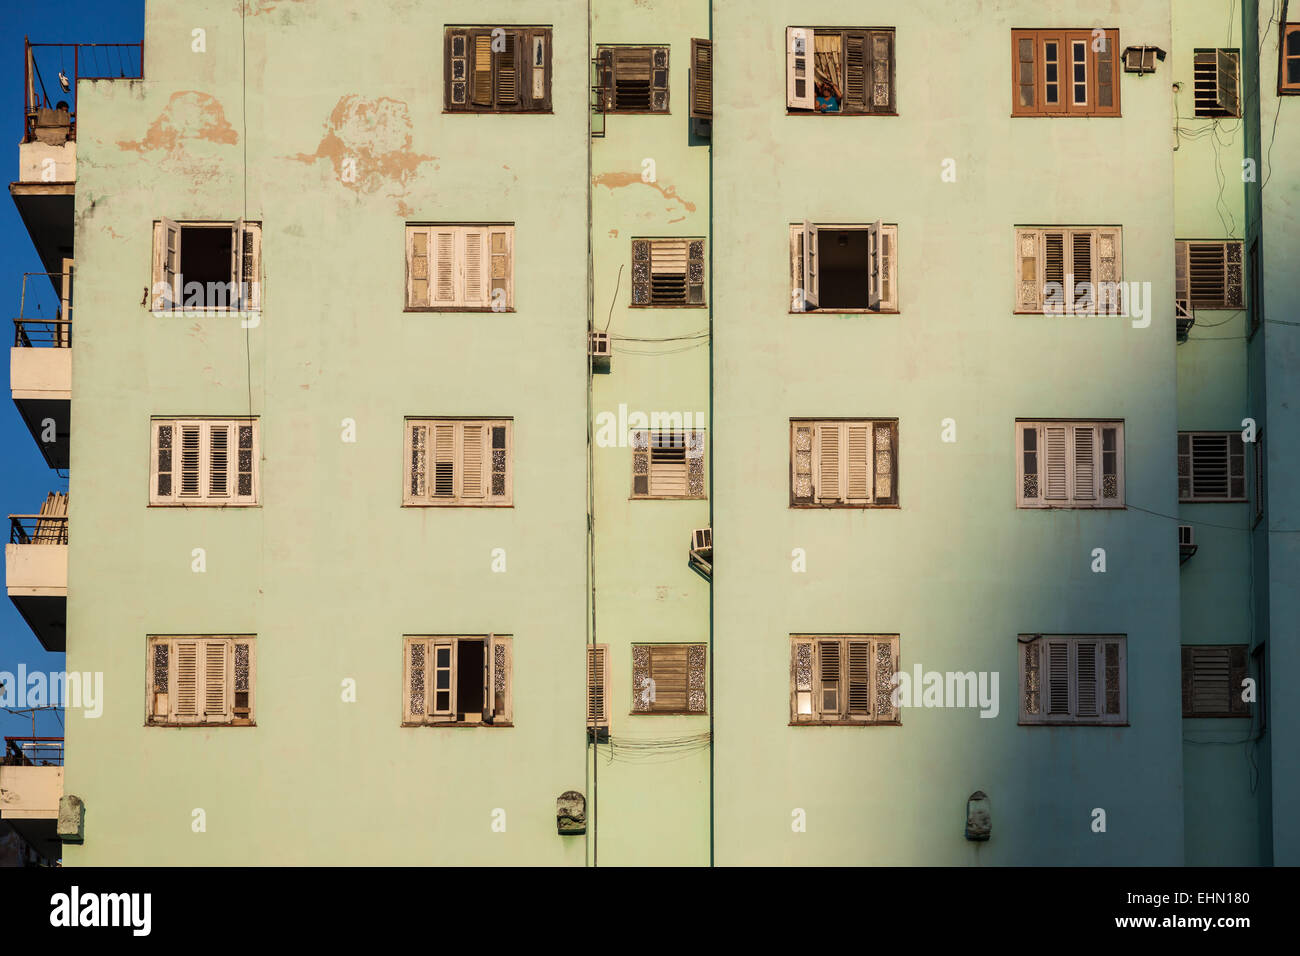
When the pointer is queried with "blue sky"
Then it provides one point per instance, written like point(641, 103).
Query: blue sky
point(24, 477)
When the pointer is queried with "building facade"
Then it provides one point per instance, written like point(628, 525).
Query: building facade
point(409, 384)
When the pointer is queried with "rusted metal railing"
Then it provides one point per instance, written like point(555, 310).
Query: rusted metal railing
point(38, 330)
point(54, 118)
point(33, 752)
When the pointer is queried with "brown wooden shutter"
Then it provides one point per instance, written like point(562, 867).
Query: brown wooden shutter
point(828, 484)
point(480, 68)
point(598, 685)
point(882, 72)
point(456, 70)
point(668, 671)
point(855, 72)
point(509, 68)
point(701, 79)
point(1029, 289)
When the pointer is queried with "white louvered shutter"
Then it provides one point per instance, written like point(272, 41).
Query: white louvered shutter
point(1057, 683)
point(443, 484)
point(859, 462)
point(216, 679)
point(800, 89)
point(444, 292)
point(474, 265)
point(190, 440)
point(166, 266)
point(875, 266)
point(220, 452)
point(185, 682)
point(828, 477)
point(418, 276)
point(1055, 465)
point(1088, 678)
point(828, 673)
point(811, 281)
point(1085, 463)
point(474, 455)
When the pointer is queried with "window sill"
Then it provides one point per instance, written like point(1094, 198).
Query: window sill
point(1072, 723)
point(1066, 115)
point(457, 504)
point(635, 113)
point(496, 112)
point(435, 725)
point(842, 506)
point(845, 723)
point(1213, 501)
point(205, 504)
point(668, 713)
point(790, 112)
point(1074, 315)
point(228, 723)
point(187, 312)
point(457, 308)
point(667, 497)
point(1187, 716)
point(1020, 506)
point(846, 312)
point(670, 305)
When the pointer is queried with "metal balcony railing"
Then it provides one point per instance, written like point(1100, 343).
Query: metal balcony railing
point(33, 752)
point(57, 67)
point(39, 330)
point(38, 529)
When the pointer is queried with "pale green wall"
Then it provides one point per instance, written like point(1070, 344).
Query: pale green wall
point(655, 807)
point(958, 571)
point(331, 571)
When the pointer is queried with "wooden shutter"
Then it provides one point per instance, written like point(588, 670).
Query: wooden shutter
point(668, 271)
point(859, 462)
point(442, 674)
point(456, 76)
point(701, 79)
point(827, 476)
point(509, 66)
point(163, 484)
point(500, 242)
point(539, 60)
point(888, 267)
point(885, 666)
point(443, 484)
point(499, 696)
point(166, 266)
point(1085, 463)
point(417, 266)
point(1081, 253)
point(185, 681)
point(1029, 289)
point(498, 466)
point(882, 72)
point(445, 287)
point(236, 264)
point(800, 90)
point(1108, 271)
point(481, 69)
point(598, 685)
point(875, 266)
point(828, 679)
point(220, 448)
point(1182, 273)
point(417, 458)
point(802, 706)
point(473, 460)
point(856, 55)
point(801, 461)
point(1107, 90)
point(1055, 444)
point(668, 671)
point(811, 283)
point(473, 267)
point(418, 666)
point(859, 679)
point(191, 459)
point(1088, 678)
point(216, 678)
point(1058, 679)
point(668, 465)
point(1029, 451)
point(1212, 681)
point(1023, 83)
point(1226, 62)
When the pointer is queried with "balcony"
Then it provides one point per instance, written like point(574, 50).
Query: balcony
point(36, 570)
point(47, 156)
point(40, 363)
point(31, 784)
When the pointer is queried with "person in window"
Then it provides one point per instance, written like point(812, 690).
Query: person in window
point(827, 100)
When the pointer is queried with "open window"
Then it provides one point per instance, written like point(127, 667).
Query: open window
point(1216, 82)
point(843, 267)
point(497, 69)
point(457, 680)
point(633, 79)
point(200, 680)
point(837, 71)
point(207, 266)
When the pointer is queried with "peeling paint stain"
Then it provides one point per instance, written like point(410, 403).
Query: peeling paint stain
point(678, 219)
point(614, 181)
point(403, 209)
point(258, 7)
point(189, 114)
point(374, 139)
point(613, 234)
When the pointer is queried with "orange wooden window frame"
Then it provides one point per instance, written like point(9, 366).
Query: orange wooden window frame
point(1065, 106)
point(1288, 29)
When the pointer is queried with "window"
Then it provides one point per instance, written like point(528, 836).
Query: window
point(460, 268)
point(668, 678)
point(843, 268)
point(598, 686)
point(509, 72)
point(1070, 464)
point(1074, 270)
point(843, 680)
point(1255, 300)
point(1211, 466)
point(1261, 462)
point(667, 272)
point(667, 464)
point(701, 74)
point(457, 680)
point(207, 266)
point(1212, 679)
point(1208, 274)
point(199, 461)
point(1289, 67)
point(1214, 82)
point(1078, 679)
point(1064, 73)
point(201, 680)
point(459, 461)
point(850, 463)
point(839, 71)
point(633, 79)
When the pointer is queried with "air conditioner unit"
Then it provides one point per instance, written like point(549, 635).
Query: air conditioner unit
point(1184, 318)
point(1142, 59)
point(702, 539)
point(599, 348)
point(1186, 542)
point(701, 555)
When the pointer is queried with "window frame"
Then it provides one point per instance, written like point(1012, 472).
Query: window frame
point(205, 499)
point(1228, 435)
point(457, 499)
point(242, 252)
point(869, 36)
point(643, 446)
point(1237, 661)
point(433, 717)
point(642, 248)
point(460, 233)
point(702, 648)
point(1044, 718)
point(527, 36)
point(1065, 40)
point(1285, 88)
point(882, 240)
point(607, 62)
point(817, 712)
point(172, 718)
point(1041, 502)
point(1232, 252)
point(872, 500)
point(1038, 234)
point(1219, 53)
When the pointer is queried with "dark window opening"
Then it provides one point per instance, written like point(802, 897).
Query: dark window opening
point(843, 269)
point(206, 255)
point(469, 677)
